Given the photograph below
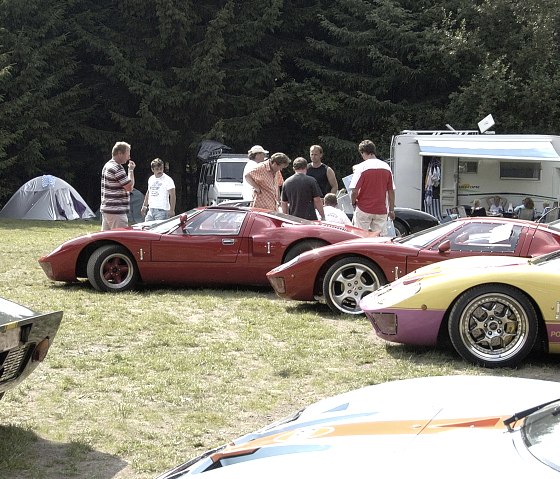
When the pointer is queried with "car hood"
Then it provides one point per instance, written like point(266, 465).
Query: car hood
point(10, 312)
point(118, 235)
point(470, 262)
point(419, 427)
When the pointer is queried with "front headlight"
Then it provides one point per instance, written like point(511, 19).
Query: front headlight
point(402, 292)
point(390, 295)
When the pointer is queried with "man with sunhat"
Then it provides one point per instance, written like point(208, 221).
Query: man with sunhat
point(257, 154)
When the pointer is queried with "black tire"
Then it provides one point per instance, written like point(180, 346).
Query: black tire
point(493, 326)
point(302, 247)
point(348, 281)
point(400, 228)
point(112, 268)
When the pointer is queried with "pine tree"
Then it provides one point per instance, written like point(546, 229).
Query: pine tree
point(38, 98)
point(371, 70)
point(518, 76)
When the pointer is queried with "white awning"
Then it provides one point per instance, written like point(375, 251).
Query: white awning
point(483, 147)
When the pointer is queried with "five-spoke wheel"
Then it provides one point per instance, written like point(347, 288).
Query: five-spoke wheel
point(348, 280)
point(112, 268)
point(493, 326)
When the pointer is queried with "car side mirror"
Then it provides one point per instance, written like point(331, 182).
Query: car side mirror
point(444, 247)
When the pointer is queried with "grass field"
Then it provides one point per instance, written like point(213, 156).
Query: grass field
point(138, 382)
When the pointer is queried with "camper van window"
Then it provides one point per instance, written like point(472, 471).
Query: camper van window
point(520, 170)
point(468, 167)
point(230, 171)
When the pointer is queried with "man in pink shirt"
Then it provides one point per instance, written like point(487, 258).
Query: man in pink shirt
point(373, 190)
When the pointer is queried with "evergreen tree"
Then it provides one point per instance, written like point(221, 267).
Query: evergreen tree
point(167, 74)
point(78, 75)
point(518, 77)
point(38, 99)
point(372, 70)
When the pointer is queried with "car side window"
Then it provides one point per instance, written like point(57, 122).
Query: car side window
point(486, 237)
point(215, 222)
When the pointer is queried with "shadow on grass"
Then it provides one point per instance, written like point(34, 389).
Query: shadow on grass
point(321, 309)
point(158, 289)
point(25, 455)
point(537, 365)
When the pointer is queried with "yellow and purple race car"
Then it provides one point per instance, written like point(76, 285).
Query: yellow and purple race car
point(494, 310)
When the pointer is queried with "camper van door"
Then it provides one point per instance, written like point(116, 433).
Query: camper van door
point(449, 183)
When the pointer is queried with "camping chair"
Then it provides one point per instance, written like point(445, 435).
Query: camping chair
point(434, 208)
point(478, 212)
point(457, 212)
point(503, 204)
point(526, 214)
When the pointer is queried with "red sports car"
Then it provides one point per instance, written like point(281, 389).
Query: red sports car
point(342, 274)
point(205, 246)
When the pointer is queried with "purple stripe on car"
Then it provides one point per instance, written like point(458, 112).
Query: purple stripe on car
point(411, 326)
point(553, 332)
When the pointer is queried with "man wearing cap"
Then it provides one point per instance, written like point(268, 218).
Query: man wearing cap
point(256, 154)
point(159, 202)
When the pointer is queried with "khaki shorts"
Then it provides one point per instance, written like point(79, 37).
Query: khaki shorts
point(110, 222)
point(370, 222)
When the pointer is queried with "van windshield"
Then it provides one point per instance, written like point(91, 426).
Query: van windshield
point(230, 171)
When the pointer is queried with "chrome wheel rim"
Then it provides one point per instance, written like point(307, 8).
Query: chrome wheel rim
point(349, 284)
point(494, 327)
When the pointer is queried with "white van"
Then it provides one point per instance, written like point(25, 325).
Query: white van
point(221, 179)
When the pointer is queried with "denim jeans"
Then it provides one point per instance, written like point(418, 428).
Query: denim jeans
point(156, 214)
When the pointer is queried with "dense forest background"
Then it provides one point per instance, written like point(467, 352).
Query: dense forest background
point(78, 75)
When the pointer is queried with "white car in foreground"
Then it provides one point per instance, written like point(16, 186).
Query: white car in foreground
point(433, 427)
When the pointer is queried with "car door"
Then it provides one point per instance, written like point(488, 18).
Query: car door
point(213, 236)
point(472, 239)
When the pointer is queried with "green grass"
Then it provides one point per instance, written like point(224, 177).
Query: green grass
point(138, 382)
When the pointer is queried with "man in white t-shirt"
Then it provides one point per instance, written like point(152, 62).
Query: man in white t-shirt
point(332, 213)
point(257, 154)
point(159, 201)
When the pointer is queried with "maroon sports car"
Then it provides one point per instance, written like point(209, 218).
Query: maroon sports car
point(342, 274)
point(205, 246)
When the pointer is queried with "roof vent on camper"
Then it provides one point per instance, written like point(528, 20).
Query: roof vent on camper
point(486, 123)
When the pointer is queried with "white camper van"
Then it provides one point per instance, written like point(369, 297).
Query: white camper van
point(437, 171)
point(221, 179)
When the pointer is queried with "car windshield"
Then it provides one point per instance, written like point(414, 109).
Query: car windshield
point(289, 218)
point(541, 434)
point(425, 237)
point(554, 225)
point(164, 226)
point(545, 258)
